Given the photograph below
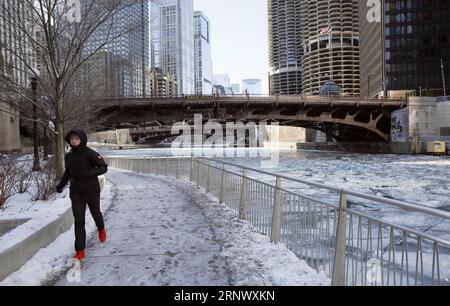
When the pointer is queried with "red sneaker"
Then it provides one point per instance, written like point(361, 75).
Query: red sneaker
point(80, 255)
point(102, 235)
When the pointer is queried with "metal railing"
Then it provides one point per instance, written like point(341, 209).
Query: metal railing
point(352, 247)
point(256, 97)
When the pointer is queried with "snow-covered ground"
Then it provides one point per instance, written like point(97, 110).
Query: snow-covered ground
point(420, 179)
point(35, 215)
point(167, 232)
point(49, 262)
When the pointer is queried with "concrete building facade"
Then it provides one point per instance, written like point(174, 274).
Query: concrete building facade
point(162, 84)
point(330, 39)
point(285, 47)
point(372, 53)
point(13, 69)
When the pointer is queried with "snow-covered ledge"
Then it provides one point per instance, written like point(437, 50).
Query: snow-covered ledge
point(23, 242)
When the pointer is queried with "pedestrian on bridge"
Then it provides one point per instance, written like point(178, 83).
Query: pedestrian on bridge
point(82, 168)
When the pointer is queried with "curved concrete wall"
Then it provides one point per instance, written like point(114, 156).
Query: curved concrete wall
point(15, 257)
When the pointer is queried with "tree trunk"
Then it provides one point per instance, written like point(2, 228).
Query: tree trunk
point(60, 151)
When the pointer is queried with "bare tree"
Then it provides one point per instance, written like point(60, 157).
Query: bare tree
point(53, 40)
point(8, 178)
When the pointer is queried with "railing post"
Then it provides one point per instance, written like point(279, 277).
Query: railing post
point(243, 202)
point(146, 163)
point(198, 172)
point(208, 181)
point(157, 165)
point(339, 256)
point(167, 166)
point(276, 217)
point(178, 168)
point(151, 165)
point(191, 170)
point(222, 186)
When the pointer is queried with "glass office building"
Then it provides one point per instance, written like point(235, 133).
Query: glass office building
point(172, 41)
point(123, 65)
point(408, 51)
point(202, 54)
point(417, 39)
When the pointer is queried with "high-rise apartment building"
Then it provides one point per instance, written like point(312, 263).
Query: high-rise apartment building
point(330, 39)
point(285, 47)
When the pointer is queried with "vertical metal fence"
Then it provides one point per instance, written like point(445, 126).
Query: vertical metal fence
point(350, 246)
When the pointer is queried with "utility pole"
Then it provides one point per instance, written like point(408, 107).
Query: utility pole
point(443, 78)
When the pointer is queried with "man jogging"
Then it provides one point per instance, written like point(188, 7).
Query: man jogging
point(83, 166)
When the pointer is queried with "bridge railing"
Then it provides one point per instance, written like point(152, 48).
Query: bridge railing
point(351, 246)
point(262, 97)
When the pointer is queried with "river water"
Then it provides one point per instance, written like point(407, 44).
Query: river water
point(419, 179)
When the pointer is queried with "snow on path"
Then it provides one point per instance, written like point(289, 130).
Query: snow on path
point(156, 236)
point(167, 232)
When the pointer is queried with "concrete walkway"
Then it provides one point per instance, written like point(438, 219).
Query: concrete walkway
point(157, 235)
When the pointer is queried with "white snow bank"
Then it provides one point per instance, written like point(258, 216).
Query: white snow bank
point(51, 261)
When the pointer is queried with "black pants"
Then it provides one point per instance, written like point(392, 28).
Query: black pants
point(79, 202)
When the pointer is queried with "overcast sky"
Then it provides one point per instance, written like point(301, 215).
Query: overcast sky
point(239, 34)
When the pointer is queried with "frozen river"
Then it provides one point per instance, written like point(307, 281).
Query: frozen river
point(419, 179)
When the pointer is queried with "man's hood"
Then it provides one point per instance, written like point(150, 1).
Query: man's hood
point(80, 134)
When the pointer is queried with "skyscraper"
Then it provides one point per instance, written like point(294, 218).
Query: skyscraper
point(172, 41)
point(202, 52)
point(372, 55)
point(123, 67)
point(407, 50)
point(14, 48)
point(285, 47)
point(330, 38)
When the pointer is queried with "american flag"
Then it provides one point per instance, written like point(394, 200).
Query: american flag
point(326, 30)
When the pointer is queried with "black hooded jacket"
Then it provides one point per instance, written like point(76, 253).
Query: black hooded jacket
point(83, 166)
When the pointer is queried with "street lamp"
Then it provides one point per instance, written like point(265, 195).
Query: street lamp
point(34, 80)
